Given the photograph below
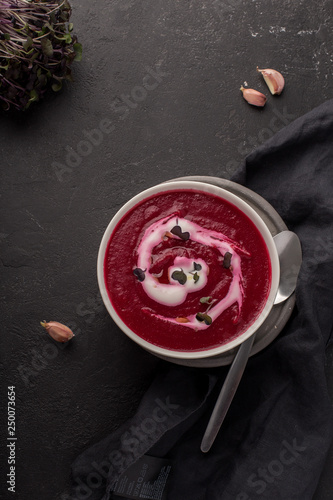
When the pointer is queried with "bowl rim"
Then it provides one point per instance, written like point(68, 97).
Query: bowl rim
point(231, 198)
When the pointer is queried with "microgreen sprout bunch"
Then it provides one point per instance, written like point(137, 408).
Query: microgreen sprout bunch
point(37, 48)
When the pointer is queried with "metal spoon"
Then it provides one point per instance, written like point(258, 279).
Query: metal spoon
point(290, 256)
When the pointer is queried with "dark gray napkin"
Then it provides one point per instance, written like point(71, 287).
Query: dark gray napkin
point(277, 432)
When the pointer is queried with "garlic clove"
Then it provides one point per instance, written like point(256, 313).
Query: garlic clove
point(273, 79)
point(254, 97)
point(58, 331)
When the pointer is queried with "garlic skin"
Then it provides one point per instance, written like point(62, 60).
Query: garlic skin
point(274, 80)
point(58, 331)
point(254, 97)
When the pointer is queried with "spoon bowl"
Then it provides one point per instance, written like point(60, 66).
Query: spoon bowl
point(290, 256)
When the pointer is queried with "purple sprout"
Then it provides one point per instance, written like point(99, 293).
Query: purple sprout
point(37, 48)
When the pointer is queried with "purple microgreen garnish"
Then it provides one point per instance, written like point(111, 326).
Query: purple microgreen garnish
point(205, 300)
point(179, 276)
point(227, 260)
point(37, 49)
point(139, 273)
point(158, 275)
point(203, 317)
point(196, 277)
point(177, 231)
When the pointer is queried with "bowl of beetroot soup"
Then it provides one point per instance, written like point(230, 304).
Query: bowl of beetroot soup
point(187, 270)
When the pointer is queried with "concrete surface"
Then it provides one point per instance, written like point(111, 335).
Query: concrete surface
point(156, 96)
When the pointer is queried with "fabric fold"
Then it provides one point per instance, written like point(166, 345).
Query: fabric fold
point(171, 405)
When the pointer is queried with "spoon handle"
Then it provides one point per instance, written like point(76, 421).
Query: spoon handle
point(227, 393)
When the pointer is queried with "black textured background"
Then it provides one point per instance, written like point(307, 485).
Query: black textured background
point(59, 191)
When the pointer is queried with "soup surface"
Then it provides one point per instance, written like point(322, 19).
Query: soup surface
point(187, 271)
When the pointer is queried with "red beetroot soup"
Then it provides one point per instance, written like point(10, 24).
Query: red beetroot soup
point(187, 271)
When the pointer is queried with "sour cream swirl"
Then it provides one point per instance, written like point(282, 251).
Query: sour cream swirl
point(174, 293)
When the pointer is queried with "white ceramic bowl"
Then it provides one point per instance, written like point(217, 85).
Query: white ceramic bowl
point(224, 195)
